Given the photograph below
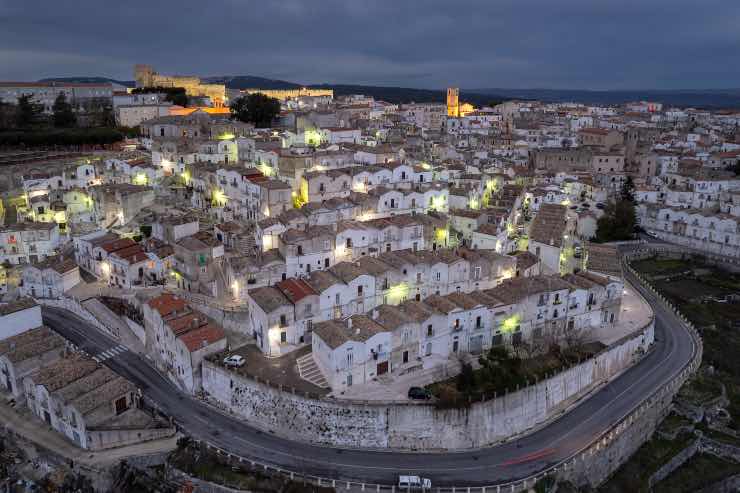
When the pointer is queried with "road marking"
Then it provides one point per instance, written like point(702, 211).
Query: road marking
point(235, 422)
point(110, 353)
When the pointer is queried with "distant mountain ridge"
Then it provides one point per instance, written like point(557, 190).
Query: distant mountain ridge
point(701, 98)
point(250, 82)
point(89, 80)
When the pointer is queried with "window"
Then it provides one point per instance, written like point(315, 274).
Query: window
point(336, 299)
point(283, 321)
point(430, 330)
point(479, 322)
point(476, 272)
point(359, 291)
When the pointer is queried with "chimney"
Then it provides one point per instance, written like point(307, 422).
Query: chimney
point(375, 314)
point(349, 323)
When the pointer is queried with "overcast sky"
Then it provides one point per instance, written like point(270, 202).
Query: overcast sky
point(576, 44)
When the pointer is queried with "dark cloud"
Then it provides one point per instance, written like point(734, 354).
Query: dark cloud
point(598, 44)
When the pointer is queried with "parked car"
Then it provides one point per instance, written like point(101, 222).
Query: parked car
point(599, 205)
point(419, 393)
point(234, 361)
point(414, 483)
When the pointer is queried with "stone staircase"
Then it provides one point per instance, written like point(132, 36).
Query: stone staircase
point(309, 371)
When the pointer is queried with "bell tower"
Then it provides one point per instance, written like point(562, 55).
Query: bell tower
point(453, 102)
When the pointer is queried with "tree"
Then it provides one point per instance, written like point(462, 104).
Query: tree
point(99, 113)
point(7, 115)
point(63, 115)
point(628, 190)
point(618, 222)
point(175, 95)
point(27, 112)
point(256, 108)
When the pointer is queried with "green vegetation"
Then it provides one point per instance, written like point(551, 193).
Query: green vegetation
point(175, 95)
point(694, 288)
point(64, 116)
point(27, 112)
point(700, 471)
point(61, 137)
point(503, 371)
point(664, 266)
point(700, 390)
point(256, 108)
point(673, 422)
point(204, 464)
point(619, 221)
point(634, 475)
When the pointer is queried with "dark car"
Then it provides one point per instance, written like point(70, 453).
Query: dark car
point(419, 393)
point(600, 205)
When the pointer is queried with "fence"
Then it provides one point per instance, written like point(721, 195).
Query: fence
point(562, 468)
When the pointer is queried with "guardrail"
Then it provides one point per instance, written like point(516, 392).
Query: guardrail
point(562, 467)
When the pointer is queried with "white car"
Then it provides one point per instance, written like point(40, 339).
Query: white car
point(414, 483)
point(235, 361)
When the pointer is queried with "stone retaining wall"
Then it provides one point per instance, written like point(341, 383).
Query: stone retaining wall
point(412, 426)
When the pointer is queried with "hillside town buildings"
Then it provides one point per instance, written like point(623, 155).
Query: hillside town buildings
point(364, 239)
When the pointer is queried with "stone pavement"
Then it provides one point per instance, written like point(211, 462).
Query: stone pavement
point(21, 422)
point(634, 315)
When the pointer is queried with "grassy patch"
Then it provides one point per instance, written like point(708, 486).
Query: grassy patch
point(633, 475)
point(701, 389)
point(674, 422)
point(661, 266)
point(721, 346)
point(208, 466)
point(700, 471)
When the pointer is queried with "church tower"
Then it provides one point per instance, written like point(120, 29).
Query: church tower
point(453, 102)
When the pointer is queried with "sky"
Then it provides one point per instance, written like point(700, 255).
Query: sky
point(554, 44)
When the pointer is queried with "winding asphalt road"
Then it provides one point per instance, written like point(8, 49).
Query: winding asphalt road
point(517, 459)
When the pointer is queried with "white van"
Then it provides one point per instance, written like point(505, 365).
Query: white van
point(414, 483)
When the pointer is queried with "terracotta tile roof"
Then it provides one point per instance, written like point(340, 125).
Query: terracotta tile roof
point(167, 303)
point(295, 289)
point(202, 337)
point(116, 245)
